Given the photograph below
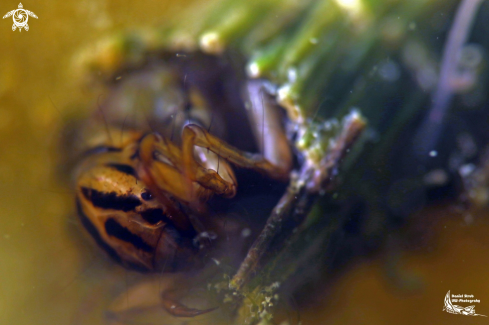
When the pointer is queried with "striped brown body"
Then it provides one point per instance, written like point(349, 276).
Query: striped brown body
point(142, 196)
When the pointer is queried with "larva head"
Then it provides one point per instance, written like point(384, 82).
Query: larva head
point(128, 221)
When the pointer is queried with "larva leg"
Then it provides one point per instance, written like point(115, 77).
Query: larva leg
point(152, 294)
point(266, 121)
point(173, 307)
point(194, 135)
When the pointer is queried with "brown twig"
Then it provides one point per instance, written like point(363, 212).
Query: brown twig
point(296, 203)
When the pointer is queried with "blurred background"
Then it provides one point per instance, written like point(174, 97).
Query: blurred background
point(49, 276)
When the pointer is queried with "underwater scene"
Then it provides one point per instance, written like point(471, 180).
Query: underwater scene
point(258, 162)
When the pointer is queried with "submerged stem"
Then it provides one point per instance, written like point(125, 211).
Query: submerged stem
point(430, 130)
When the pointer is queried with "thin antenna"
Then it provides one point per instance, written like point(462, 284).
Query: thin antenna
point(174, 117)
point(105, 120)
point(262, 123)
point(319, 108)
point(122, 129)
point(210, 124)
point(77, 134)
point(149, 124)
point(296, 307)
point(55, 107)
point(218, 160)
point(209, 128)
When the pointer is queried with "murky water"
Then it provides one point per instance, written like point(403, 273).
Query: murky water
point(50, 275)
point(44, 273)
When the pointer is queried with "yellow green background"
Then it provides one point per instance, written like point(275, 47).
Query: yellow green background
point(48, 275)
